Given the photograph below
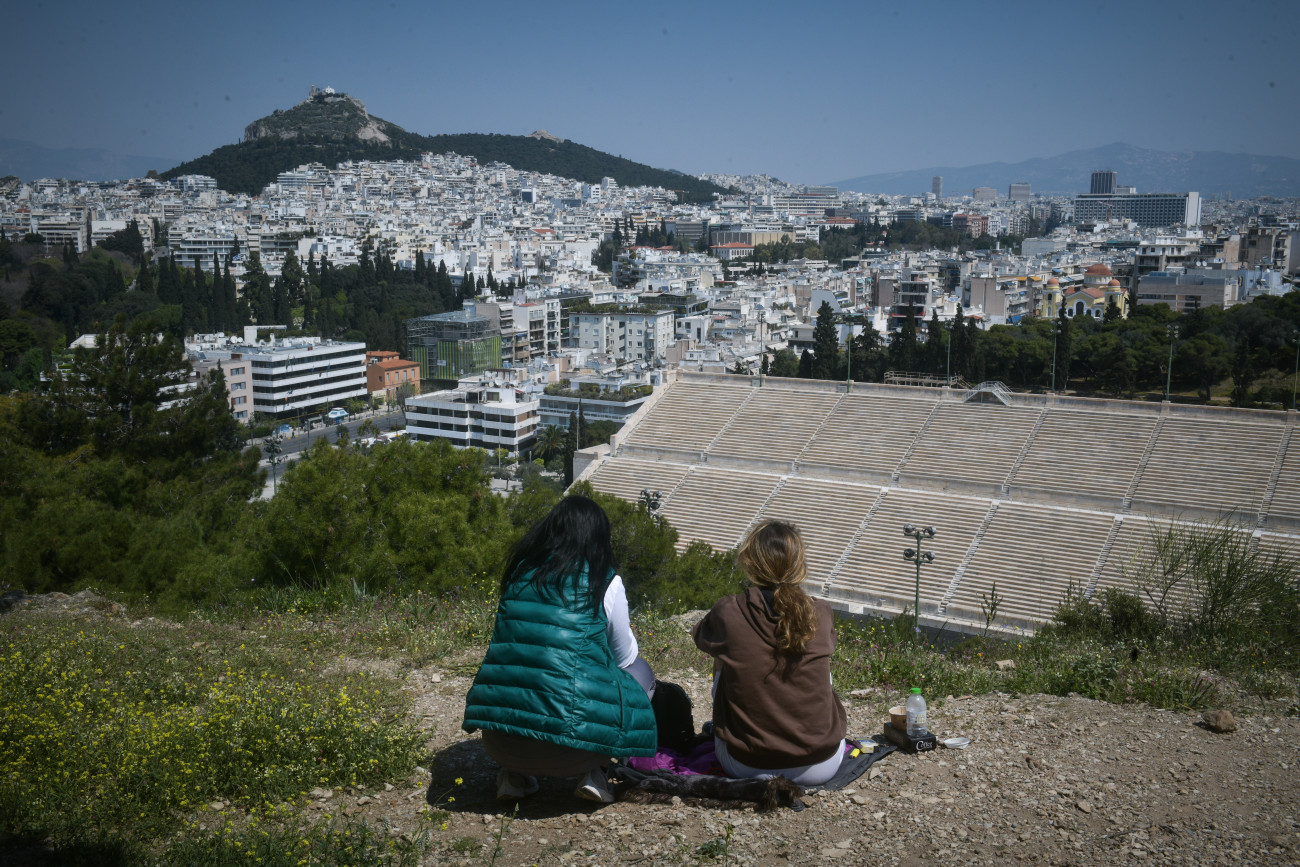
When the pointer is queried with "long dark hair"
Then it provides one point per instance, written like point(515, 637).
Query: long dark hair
point(572, 535)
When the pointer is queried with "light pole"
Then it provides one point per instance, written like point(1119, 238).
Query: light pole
point(1172, 331)
point(948, 379)
point(1295, 377)
point(651, 501)
point(848, 370)
point(273, 457)
point(1056, 333)
point(916, 556)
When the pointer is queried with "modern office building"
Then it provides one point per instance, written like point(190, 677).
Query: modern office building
point(1185, 292)
point(450, 346)
point(488, 414)
point(1020, 192)
point(1145, 209)
point(936, 186)
point(1103, 182)
point(288, 377)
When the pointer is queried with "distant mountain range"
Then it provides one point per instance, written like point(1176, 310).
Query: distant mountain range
point(1210, 173)
point(31, 161)
point(330, 128)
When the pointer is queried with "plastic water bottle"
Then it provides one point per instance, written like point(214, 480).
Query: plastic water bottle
point(916, 714)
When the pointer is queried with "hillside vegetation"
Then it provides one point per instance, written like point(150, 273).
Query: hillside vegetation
point(339, 129)
point(251, 674)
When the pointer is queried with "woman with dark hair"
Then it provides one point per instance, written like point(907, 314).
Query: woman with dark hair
point(774, 711)
point(562, 689)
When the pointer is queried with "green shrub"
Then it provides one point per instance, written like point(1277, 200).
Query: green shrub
point(1212, 580)
point(1178, 689)
point(693, 579)
point(1089, 670)
point(1077, 615)
point(271, 843)
point(109, 734)
point(1126, 616)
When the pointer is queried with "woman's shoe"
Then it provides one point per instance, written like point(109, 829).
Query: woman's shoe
point(594, 786)
point(512, 786)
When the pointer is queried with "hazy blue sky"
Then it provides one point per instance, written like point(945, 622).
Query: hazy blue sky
point(809, 92)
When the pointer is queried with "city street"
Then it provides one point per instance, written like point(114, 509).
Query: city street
point(300, 440)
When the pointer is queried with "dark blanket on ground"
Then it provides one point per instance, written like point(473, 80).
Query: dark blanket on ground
point(696, 777)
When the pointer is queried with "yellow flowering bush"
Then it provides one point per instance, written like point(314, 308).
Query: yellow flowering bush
point(113, 732)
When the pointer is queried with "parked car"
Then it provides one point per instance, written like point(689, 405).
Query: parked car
point(338, 413)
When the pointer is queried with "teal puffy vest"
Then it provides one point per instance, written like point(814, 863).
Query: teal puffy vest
point(549, 675)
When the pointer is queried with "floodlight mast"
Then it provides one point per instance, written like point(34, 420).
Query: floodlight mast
point(916, 556)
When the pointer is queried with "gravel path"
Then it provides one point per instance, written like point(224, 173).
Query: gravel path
point(1047, 780)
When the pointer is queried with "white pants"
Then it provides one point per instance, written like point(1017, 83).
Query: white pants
point(804, 775)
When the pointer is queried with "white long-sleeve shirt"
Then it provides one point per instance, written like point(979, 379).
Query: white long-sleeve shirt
point(619, 629)
point(622, 643)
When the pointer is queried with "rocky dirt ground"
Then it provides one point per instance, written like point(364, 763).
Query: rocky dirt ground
point(1046, 780)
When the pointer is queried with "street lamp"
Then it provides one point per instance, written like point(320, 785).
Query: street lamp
point(948, 379)
point(1172, 331)
point(273, 451)
point(651, 501)
point(1056, 332)
point(1296, 376)
point(915, 555)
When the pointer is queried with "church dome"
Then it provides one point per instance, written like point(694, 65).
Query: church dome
point(1098, 270)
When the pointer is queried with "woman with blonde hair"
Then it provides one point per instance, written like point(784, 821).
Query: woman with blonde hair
point(774, 711)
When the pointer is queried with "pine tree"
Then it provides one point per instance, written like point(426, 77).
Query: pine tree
point(935, 356)
point(169, 290)
point(902, 349)
point(219, 317)
point(570, 446)
point(257, 291)
point(293, 278)
point(144, 280)
point(826, 344)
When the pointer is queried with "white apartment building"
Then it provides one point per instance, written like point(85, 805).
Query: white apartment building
point(102, 230)
point(202, 247)
point(306, 374)
point(487, 414)
point(627, 336)
point(287, 377)
point(60, 229)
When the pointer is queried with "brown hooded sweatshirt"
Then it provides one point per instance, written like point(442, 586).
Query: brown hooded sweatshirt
point(771, 709)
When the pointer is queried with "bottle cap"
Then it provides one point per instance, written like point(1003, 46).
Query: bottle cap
point(916, 690)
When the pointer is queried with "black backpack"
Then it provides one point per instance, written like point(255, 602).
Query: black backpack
point(673, 716)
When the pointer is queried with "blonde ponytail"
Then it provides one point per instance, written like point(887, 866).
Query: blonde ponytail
point(772, 555)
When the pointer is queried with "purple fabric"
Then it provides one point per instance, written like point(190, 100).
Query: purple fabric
point(703, 759)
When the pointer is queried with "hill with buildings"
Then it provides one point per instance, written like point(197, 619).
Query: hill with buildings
point(1211, 173)
point(330, 128)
